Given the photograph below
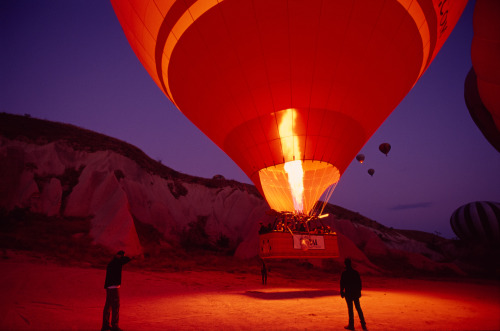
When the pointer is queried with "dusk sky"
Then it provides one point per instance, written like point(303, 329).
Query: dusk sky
point(69, 61)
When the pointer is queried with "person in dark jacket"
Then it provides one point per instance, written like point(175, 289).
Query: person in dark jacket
point(350, 289)
point(112, 286)
point(263, 271)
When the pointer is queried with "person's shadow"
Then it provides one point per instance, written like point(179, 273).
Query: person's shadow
point(291, 294)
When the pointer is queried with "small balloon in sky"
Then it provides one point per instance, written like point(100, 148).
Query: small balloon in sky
point(360, 158)
point(371, 172)
point(385, 148)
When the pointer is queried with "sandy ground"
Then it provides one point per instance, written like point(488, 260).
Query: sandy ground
point(40, 295)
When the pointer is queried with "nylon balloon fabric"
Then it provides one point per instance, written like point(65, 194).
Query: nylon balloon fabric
point(274, 82)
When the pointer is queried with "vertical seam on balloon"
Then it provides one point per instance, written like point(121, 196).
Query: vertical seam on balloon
point(496, 211)
point(413, 15)
point(365, 55)
point(460, 227)
point(246, 81)
point(463, 224)
point(268, 82)
point(468, 220)
point(483, 218)
point(290, 70)
point(269, 87)
point(452, 223)
point(332, 83)
point(159, 10)
point(341, 48)
point(258, 119)
point(181, 25)
point(319, 135)
point(164, 32)
point(433, 36)
point(312, 78)
point(359, 77)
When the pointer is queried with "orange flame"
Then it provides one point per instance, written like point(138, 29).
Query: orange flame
point(296, 181)
point(291, 150)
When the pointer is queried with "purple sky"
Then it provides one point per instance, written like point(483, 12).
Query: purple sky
point(69, 61)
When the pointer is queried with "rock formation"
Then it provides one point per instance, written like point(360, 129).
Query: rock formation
point(56, 172)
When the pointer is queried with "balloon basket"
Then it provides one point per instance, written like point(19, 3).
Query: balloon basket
point(284, 245)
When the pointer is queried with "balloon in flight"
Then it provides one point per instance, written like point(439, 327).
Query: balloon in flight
point(371, 172)
point(385, 148)
point(290, 90)
point(360, 158)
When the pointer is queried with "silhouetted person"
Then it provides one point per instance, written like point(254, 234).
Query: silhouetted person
point(350, 289)
point(263, 271)
point(112, 286)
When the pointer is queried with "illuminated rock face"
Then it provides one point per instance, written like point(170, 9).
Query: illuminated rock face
point(113, 190)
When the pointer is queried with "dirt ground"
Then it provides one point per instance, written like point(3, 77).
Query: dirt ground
point(40, 295)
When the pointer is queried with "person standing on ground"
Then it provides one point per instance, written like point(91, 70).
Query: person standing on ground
point(263, 271)
point(350, 289)
point(112, 286)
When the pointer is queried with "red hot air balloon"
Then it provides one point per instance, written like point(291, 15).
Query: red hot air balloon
point(371, 172)
point(481, 116)
point(482, 85)
point(290, 90)
point(384, 148)
point(360, 158)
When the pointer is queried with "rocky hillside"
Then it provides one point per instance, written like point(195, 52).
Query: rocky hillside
point(128, 200)
point(61, 170)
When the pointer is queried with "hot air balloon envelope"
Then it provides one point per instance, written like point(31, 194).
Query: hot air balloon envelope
point(477, 222)
point(481, 116)
point(360, 158)
point(290, 90)
point(482, 85)
point(385, 148)
point(485, 55)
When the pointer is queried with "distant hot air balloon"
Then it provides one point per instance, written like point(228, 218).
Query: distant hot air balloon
point(477, 222)
point(290, 90)
point(385, 148)
point(482, 85)
point(371, 171)
point(360, 158)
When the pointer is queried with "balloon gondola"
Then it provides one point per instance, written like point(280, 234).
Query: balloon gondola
point(293, 236)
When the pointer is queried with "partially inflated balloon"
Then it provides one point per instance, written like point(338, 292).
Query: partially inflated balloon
point(290, 89)
point(477, 221)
